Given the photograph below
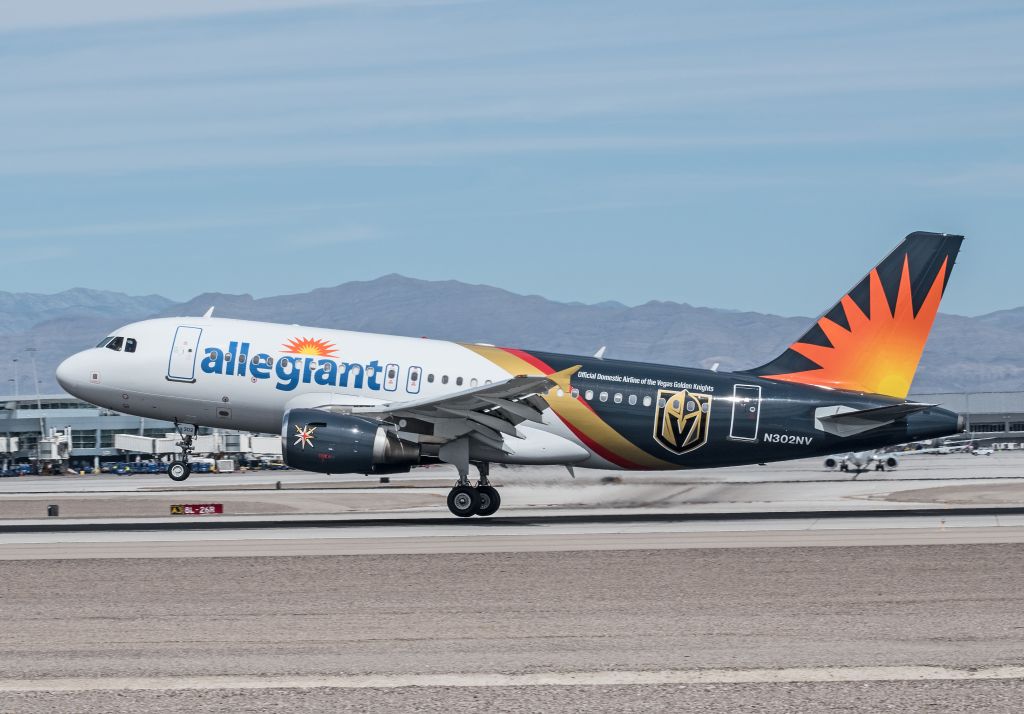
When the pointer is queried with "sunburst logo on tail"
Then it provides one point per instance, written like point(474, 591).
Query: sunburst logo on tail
point(878, 353)
point(310, 347)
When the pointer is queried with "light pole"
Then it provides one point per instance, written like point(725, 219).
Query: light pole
point(15, 360)
point(39, 407)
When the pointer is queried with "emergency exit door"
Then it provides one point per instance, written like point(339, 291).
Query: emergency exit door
point(181, 367)
point(746, 412)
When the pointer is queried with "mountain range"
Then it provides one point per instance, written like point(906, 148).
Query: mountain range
point(963, 354)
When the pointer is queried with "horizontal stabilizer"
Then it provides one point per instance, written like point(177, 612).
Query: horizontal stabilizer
point(844, 421)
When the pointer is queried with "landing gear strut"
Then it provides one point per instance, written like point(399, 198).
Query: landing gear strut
point(464, 500)
point(490, 499)
point(181, 470)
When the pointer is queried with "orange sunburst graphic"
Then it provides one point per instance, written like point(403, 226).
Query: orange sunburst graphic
point(878, 354)
point(310, 346)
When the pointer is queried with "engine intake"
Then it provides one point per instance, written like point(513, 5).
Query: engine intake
point(314, 440)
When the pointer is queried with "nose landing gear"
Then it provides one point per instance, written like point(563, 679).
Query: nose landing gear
point(465, 500)
point(181, 470)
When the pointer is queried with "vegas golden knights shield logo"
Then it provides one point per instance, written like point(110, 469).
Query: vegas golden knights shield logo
point(681, 420)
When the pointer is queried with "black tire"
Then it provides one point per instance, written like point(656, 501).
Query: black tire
point(490, 500)
point(179, 470)
point(463, 501)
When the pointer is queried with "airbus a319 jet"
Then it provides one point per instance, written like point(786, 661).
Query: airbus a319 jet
point(351, 402)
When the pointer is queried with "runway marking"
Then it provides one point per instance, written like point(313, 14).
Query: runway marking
point(495, 679)
point(227, 544)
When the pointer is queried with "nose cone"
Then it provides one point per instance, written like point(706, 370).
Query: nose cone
point(71, 374)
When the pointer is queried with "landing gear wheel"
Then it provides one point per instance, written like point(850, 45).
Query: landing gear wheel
point(463, 501)
point(490, 500)
point(179, 470)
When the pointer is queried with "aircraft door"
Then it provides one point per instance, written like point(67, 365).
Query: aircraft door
point(181, 367)
point(746, 412)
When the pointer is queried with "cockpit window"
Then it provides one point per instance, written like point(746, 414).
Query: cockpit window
point(116, 344)
point(130, 344)
point(104, 342)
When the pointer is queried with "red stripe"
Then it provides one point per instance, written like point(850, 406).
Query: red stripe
point(593, 445)
point(527, 357)
point(600, 450)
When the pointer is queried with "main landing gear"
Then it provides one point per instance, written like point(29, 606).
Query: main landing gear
point(181, 470)
point(465, 500)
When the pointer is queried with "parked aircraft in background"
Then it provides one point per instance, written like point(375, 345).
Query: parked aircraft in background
point(349, 402)
point(861, 461)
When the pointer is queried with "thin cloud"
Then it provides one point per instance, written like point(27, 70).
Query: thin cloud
point(48, 14)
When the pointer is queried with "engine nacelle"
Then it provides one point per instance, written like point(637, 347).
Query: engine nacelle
point(315, 440)
point(831, 463)
point(891, 462)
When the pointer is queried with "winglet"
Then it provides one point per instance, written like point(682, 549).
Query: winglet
point(561, 379)
point(209, 313)
point(600, 353)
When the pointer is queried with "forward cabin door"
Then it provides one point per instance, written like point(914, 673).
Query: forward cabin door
point(746, 412)
point(181, 367)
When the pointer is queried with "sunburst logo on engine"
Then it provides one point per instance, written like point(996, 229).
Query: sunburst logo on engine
point(304, 436)
point(310, 347)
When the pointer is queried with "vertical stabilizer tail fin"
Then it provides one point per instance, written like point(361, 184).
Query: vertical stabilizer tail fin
point(872, 339)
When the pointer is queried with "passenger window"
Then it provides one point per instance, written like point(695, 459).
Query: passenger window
point(270, 361)
point(430, 377)
point(647, 400)
point(575, 393)
point(560, 392)
point(661, 402)
point(116, 344)
point(444, 379)
point(675, 405)
point(228, 357)
point(130, 344)
point(458, 381)
point(603, 396)
point(392, 374)
point(589, 395)
point(474, 382)
point(618, 398)
point(632, 400)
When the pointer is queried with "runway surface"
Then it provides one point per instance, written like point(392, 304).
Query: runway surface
point(630, 630)
point(587, 596)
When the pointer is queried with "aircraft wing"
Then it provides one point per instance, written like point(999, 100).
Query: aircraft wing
point(485, 413)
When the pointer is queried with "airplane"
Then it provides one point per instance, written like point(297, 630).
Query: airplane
point(861, 461)
point(350, 402)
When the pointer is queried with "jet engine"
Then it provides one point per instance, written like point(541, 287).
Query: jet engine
point(315, 440)
point(891, 462)
point(831, 463)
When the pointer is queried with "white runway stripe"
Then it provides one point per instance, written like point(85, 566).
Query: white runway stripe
point(485, 679)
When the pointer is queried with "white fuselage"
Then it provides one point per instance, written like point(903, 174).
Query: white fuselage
point(245, 375)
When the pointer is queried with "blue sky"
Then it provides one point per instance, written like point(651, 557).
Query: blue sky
point(745, 155)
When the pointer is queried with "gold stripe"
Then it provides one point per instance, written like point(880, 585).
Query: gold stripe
point(575, 413)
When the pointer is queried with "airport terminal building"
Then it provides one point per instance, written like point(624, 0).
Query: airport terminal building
point(60, 428)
